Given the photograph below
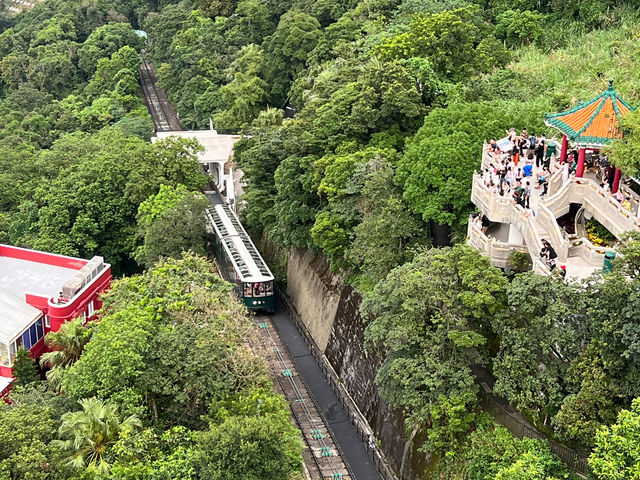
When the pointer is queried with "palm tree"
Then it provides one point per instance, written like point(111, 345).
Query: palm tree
point(67, 345)
point(86, 435)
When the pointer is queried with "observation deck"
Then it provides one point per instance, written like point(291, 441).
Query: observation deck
point(515, 228)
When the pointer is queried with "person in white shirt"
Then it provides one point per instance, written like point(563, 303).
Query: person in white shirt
point(565, 172)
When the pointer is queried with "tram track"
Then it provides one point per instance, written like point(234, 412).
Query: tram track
point(322, 456)
point(163, 115)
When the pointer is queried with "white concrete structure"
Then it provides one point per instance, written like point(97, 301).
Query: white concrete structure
point(218, 153)
point(579, 255)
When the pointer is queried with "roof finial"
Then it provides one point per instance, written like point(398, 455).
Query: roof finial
point(611, 84)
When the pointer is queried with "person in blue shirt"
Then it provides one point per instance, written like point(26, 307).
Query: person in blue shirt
point(527, 170)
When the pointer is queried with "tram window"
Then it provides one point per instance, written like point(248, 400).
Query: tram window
point(247, 290)
point(258, 290)
point(268, 288)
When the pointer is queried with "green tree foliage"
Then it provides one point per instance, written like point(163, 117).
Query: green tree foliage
point(624, 152)
point(24, 368)
point(87, 435)
point(259, 157)
point(295, 203)
point(518, 27)
point(565, 355)
point(66, 346)
point(246, 94)
point(171, 222)
point(250, 436)
point(493, 453)
point(90, 204)
point(439, 161)
point(427, 319)
point(543, 322)
point(163, 354)
point(447, 39)
point(105, 41)
point(286, 51)
point(26, 432)
point(384, 238)
point(617, 449)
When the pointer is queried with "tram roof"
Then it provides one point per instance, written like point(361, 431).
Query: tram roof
point(243, 254)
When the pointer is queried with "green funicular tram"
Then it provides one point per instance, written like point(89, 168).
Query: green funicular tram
point(239, 259)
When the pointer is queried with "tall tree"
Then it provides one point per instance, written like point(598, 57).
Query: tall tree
point(170, 223)
point(617, 450)
point(24, 368)
point(286, 51)
point(427, 320)
point(66, 347)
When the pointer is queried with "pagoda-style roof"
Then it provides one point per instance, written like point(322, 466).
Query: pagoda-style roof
point(594, 123)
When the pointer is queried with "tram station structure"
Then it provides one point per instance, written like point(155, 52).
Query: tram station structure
point(587, 128)
point(216, 158)
point(39, 292)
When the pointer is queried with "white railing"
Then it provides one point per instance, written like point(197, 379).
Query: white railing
point(587, 251)
point(606, 209)
point(525, 225)
point(583, 191)
point(548, 223)
point(499, 252)
point(494, 206)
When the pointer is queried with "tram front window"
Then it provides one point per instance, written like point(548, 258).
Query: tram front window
point(268, 288)
point(258, 290)
point(247, 290)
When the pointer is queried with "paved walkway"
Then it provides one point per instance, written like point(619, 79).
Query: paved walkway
point(353, 450)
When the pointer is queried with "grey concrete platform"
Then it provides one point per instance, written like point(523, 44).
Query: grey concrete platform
point(20, 276)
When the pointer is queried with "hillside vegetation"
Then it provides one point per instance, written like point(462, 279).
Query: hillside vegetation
point(387, 103)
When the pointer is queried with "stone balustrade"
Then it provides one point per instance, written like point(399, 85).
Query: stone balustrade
point(604, 208)
point(504, 210)
point(499, 252)
point(599, 203)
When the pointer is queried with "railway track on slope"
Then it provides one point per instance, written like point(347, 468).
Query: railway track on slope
point(163, 114)
point(322, 457)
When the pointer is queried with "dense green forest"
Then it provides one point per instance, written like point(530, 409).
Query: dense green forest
point(392, 101)
point(387, 103)
point(162, 387)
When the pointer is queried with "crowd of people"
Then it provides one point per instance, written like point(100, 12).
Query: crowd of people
point(523, 161)
point(520, 162)
point(511, 172)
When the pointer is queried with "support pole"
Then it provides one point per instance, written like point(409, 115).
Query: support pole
point(580, 167)
point(616, 181)
point(563, 149)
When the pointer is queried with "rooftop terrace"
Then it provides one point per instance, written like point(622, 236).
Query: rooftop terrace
point(19, 276)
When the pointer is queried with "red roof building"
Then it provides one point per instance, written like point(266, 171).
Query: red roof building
point(38, 293)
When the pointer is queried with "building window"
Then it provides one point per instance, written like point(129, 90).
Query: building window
point(40, 328)
point(33, 332)
point(90, 310)
point(47, 321)
point(26, 340)
point(33, 335)
point(84, 317)
point(13, 348)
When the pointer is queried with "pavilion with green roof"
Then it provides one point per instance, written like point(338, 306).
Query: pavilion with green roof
point(590, 126)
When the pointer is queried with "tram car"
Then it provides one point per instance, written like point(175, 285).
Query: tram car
point(238, 258)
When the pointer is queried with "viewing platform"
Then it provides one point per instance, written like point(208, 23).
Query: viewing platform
point(521, 208)
point(515, 228)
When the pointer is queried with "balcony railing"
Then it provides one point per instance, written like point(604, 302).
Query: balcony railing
point(499, 252)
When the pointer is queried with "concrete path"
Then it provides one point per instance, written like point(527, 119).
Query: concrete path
point(353, 450)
